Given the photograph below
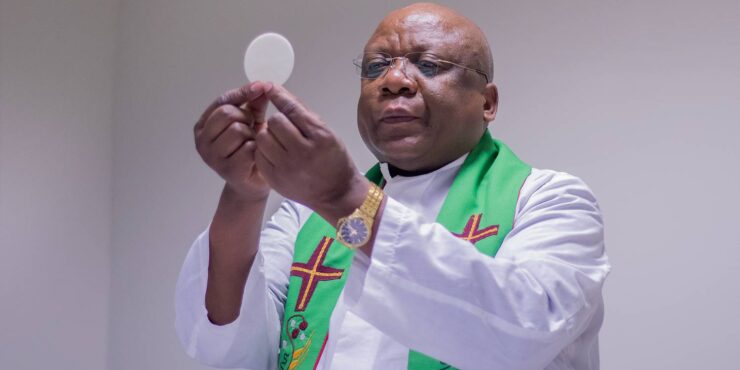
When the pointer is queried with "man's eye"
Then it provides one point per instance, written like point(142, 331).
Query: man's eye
point(427, 67)
point(375, 68)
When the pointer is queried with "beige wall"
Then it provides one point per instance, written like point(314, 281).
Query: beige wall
point(637, 98)
point(56, 81)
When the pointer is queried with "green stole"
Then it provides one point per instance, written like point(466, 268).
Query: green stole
point(479, 208)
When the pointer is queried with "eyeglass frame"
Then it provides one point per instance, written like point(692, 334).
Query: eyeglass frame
point(358, 63)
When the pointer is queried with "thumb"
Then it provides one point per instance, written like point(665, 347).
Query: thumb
point(257, 105)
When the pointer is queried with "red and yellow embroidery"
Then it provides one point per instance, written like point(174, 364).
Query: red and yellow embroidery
point(471, 232)
point(300, 343)
point(313, 272)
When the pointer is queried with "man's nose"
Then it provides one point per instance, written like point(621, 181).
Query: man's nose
point(397, 81)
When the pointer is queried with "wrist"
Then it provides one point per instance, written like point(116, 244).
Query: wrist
point(343, 203)
point(236, 196)
point(356, 229)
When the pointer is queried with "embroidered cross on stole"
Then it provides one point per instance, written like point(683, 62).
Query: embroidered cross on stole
point(485, 192)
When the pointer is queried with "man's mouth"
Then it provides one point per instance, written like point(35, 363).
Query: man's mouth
point(398, 119)
point(397, 114)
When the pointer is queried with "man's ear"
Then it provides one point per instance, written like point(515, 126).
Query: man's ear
point(490, 93)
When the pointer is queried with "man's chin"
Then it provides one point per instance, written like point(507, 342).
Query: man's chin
point(406, 153)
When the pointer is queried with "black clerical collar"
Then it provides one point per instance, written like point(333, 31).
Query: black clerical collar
point(390, 171)
point(395, 171)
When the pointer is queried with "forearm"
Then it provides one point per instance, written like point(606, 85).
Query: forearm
point(234, 239)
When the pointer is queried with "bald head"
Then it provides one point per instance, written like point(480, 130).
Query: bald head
point(469, 43)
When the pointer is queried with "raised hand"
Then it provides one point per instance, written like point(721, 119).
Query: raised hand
point(302, 159)
point(224, 138)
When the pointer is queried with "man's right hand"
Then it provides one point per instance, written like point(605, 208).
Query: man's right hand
point(224, 138)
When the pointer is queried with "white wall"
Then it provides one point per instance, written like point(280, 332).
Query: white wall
point(638, 98)
point(56, 80)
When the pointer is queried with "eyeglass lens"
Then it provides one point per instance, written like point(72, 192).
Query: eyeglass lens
point(376, 65)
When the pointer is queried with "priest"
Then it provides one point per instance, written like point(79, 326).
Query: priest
point(450, 253)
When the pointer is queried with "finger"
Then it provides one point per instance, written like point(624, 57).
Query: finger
point(234, 97)
point(231, 139)
point(221, 119)
point(285, 132)
point(270, 147)
point(258, 106)
point(244, 155)
point(292, 108)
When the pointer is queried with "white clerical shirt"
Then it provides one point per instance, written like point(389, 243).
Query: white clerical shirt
point(536, 305)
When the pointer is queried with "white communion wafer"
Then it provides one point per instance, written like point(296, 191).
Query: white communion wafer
point(269, 58)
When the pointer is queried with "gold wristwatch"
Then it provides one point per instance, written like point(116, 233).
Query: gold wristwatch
point(355, 230)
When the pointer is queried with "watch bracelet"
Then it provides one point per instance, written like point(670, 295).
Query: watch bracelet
point(372, 202)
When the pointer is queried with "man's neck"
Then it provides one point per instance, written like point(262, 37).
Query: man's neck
point(395, 171)
point(389, 171)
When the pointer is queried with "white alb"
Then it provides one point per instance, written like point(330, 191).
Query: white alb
point(536, 305)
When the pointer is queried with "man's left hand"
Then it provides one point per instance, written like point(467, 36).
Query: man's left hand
point(302, 159)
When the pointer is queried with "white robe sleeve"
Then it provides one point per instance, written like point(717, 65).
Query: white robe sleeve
point(437, 294)
point(251, 341)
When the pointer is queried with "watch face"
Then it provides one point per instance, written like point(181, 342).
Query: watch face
point(354, 231)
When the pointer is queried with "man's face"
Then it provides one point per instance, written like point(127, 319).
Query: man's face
point(416, 122)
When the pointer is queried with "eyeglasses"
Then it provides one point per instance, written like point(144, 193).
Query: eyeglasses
point(374, 65)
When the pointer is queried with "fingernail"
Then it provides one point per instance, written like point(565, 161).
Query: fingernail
point(254, 88)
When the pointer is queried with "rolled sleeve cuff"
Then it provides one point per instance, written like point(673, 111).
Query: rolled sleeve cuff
point(220, 338)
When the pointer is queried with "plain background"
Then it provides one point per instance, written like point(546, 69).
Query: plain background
point(102, 191)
